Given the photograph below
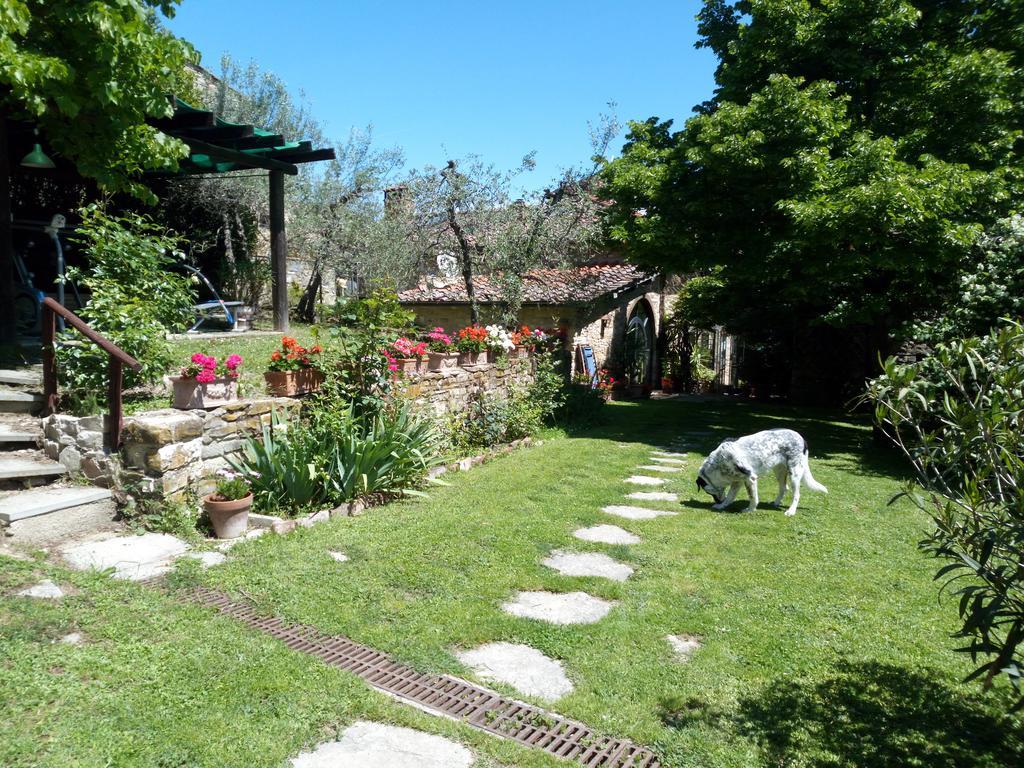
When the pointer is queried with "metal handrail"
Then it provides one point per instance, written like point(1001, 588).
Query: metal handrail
point(117, 358)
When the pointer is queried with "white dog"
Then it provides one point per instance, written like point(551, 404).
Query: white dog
point(737, 463)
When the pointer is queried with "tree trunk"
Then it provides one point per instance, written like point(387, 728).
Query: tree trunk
point(306, 309)
point(467, 263)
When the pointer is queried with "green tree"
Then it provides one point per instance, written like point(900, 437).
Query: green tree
point(837, 179)
point(90, 75)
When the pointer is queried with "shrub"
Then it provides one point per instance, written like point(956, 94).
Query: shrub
point(956, 416)
point(134, 300)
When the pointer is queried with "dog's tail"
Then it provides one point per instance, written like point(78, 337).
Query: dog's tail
point(808, 478)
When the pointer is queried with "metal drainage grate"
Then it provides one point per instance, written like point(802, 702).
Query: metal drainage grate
point(445, 695)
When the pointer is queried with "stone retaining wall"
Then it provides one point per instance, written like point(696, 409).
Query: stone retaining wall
point(163, 452)
point(454, 389)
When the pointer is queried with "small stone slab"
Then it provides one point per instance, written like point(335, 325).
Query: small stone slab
point(208, 558)
point(635, 513)
point(606, 534)
point(587, 564)
point(667, 461)
point(132, 557)
point(73, 638)
point(40, 501)
point(645, 480)
point(669, 454)
point(44, 590)
point(15, 467)
point(341, 557)
point(653, 496)
point(659, 468)
point(565, 608)
point(375, 745)
point(683, 646)
point(524, 668)
point(253, 533)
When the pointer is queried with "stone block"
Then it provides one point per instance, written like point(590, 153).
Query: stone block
point(263, 521)
point(90, 440)
point(283, 527)
point(218, 448)
point(92, 423)
point(71, 458)
point(317, 517)
point(159, 428)
point(175, 456)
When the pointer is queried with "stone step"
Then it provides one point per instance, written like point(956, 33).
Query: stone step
point(17, 401)
point(19, 505)
point(22, 377)
point(28, 464)
point(17, 428)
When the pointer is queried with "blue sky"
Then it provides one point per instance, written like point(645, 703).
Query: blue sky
point(445, 79)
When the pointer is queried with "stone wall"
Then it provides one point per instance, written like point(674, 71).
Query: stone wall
point(163, 452)
point(454, 389)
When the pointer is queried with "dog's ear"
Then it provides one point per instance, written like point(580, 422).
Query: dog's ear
point(743, 468)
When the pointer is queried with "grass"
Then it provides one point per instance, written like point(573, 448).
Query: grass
point(824, 640)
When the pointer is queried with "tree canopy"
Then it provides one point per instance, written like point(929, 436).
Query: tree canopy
point(850, 157)
point(89, 75)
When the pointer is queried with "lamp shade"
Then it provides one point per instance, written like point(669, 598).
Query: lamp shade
point(37, 159)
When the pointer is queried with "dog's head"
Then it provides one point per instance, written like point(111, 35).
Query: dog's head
point(704, 485)
point(720, 470)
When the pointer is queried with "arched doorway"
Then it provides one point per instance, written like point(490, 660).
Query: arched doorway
point(639, 350)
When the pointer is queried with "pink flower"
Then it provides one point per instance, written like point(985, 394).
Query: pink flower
point(233, 362)
point(206, 376)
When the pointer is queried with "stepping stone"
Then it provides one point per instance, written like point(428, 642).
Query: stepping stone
point(653, 496)
point(683, 645)
point(73, 638)
point(254, 533)
point(44, 590)
point(644, 480)
point(15, 467)
point(375, 745)
point(587, 564)
point(668, 455)
point(606, 534)
point(524, 668)
point(636, 513)
point(341, 557)
point(39, 501)
point(565, 608)
point(659, 468)
point(208, 558)
point(667, 461)
point(132, 557)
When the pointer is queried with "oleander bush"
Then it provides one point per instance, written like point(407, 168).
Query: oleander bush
point(957, 417)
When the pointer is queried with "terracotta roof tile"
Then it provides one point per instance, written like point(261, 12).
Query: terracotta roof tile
point(574, 285)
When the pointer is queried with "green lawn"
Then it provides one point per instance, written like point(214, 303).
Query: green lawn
point(824, 640)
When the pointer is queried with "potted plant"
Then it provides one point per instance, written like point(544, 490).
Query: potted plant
point(205, 383)
point(523, 340)
point(408, 354)
point(228, 505)
point(293, 369)
point(472, 345)
point(441, 354)
point(499, 341)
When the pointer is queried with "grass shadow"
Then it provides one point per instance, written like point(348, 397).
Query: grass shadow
point(873, 715)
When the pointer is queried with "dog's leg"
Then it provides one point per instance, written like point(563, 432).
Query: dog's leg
point(730, 497)
point(782, 475)
point(796, 472)
point(751, 483)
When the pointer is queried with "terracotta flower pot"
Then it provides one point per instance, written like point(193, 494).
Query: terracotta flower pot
point(439, 361)
point(190, 394)
point(408, 364)
point(230, 519)
point(666, 384)
point(473, 358)
point(291, 383)
point(521, 352)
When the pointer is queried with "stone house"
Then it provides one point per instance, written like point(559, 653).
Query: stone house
point(616, 308)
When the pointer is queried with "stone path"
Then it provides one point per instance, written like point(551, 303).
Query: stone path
point(606, 534)
point(587, 564)
point(636, 513)
point(668, 461)
point(652, 496)
point(564, 608)
point(341, 557)
point(132, 557)
point(44, 590)
point(659, 468)
point(683, 646)
point(524, 668)
point(376, 745)
point(644, 480)
point(668, 455)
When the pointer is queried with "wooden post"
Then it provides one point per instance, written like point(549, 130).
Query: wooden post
point(49, 334)
point(8, 317)
point(115, 419)
point(278, 252)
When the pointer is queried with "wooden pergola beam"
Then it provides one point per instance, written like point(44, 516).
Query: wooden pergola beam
point(241, 158)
